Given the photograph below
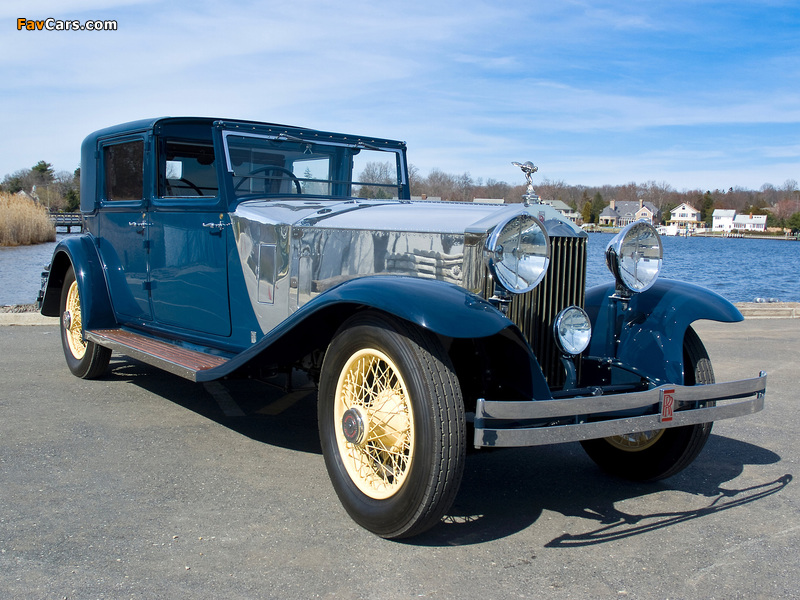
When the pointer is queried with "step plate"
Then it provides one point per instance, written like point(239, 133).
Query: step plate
point(172, 358)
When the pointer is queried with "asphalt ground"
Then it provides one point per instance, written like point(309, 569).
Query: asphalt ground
point(144, 485)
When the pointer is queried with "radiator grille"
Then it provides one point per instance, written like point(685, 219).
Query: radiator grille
point(534, 312)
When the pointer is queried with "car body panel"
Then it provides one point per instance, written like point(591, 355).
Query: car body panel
point(215, 235)
point(655, 322)
point(80, 252)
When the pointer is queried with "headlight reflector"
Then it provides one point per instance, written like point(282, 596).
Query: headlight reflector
point(518, 253)
point(572, 330)
point(635, 256)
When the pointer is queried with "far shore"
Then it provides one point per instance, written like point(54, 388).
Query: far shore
point(28, 314)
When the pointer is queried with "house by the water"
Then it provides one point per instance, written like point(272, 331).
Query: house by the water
point(724, 221)
point(622, 212)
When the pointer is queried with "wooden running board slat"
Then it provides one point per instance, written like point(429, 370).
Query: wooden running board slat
point(178, 360)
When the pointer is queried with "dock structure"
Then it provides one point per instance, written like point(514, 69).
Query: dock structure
point(68, 220)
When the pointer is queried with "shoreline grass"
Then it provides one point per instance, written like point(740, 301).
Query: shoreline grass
point(23, 222)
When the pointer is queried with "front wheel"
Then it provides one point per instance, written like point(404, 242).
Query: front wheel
point(85, 359)
point(661, 453)
point(391, 422)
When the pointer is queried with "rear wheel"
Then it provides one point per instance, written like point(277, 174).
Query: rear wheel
point(392, 427)
point(662, 453)
point(85, 359)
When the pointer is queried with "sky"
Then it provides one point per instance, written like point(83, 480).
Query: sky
point(698, 95)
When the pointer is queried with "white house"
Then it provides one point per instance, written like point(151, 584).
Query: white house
point(750, 222)
point(722, 219)
point(685, 216)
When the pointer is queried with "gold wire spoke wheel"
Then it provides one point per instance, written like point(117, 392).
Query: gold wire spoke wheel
point(84, 358)
point(374, 423)
point(636, 442)
point(391, 424)
point(72, 322)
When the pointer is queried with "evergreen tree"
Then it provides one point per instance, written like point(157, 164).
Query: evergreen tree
point(598, 204)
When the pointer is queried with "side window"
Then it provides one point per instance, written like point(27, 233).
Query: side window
point(123, 166)
point(187, 169)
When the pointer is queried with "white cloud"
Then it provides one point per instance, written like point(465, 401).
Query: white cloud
point(607, 94)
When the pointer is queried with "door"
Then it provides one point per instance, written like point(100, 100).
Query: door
point(123, 228)
point(188, 230)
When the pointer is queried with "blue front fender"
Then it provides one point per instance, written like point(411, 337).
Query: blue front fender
point(81, 253)
point(440, 307)
point(653, 327)
point(444, 308)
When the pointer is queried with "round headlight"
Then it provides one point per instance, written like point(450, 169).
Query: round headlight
point(635, 256)
point(518, 252)
point(572, 330)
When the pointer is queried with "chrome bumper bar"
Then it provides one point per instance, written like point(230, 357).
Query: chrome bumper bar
point(491, 416)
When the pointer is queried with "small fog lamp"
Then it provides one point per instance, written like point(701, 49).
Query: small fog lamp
point(635, 256)
point(572, 330)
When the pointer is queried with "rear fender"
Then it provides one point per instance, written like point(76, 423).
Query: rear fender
point(80, 252)
point(653, 327)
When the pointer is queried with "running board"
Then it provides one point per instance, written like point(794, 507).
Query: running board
point(170, 357)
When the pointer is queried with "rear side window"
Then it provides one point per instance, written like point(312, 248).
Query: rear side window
point(123, 166)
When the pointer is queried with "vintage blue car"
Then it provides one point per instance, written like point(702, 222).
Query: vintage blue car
point(216, 248)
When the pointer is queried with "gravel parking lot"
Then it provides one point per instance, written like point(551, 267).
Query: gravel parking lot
point(144, 485)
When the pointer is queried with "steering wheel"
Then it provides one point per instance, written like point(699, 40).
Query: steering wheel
point(188, 184)
point(271, 168)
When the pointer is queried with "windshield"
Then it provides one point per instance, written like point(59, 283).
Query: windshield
point(284, 165)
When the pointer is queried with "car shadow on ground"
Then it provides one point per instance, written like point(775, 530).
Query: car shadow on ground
point(263, 410)
point(503, 491)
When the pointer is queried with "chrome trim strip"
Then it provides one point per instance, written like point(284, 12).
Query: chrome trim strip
point(486, 412)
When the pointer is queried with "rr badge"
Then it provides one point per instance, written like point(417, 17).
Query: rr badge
point(667, 405)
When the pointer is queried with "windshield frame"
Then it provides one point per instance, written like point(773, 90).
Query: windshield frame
point(341, 182)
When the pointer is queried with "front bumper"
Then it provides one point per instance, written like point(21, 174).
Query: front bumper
point(508, 424)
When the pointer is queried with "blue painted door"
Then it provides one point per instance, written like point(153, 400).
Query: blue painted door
point(189, 237)
point(188, 269)
point(123, 231)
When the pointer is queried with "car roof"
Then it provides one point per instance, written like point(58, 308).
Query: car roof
point(241, 124)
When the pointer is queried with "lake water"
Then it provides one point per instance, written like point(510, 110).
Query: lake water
point(739, 269)
point(21, 269)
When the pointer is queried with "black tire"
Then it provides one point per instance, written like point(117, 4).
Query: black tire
point(394, 445)
point(86, 360)
point(654, 455)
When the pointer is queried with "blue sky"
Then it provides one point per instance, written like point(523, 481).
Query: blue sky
point(700, 95)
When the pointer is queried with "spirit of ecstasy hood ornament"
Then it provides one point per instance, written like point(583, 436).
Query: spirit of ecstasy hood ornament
point(529, 169)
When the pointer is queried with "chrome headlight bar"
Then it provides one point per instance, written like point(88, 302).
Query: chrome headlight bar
point(634, 257)
point(517, 253)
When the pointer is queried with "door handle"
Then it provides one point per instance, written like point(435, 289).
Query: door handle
point(216, 226)
point(140, 225)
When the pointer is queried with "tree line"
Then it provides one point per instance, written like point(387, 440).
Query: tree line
point(780, 204)
point(60, 191)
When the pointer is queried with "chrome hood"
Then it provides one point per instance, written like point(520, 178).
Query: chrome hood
point(293, 250)
point(388, 215)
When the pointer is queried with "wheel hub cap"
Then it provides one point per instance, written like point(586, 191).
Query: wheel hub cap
point(353, 426)
point(66, 319)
